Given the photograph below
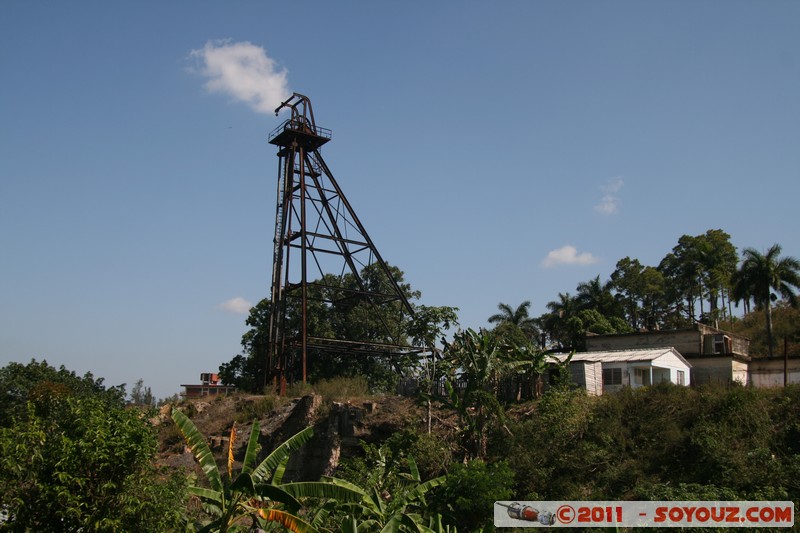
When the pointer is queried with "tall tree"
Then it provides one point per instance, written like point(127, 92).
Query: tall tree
point(652, 286)
point(719, 262)
point(246, 370)
point(518, 317)
point(640, 289)
point(351, 316)
point(142, 395)
point(333, 314)
point(426, 329)
point(684, 270)
point(761, 274)
point(626, 280)
point(700, 267)
point(355, 318)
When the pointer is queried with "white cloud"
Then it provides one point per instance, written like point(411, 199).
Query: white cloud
point(610, 202)
point(568, 255)
point(245, 72)
point(237, 306)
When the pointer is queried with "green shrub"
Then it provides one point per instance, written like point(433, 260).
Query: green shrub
point(170, 438)
point(467, 497)
point(248, 409)
point(546, 450)
point(299, 389)
point(731, 442)
point(86, 466)
point(433, 455)
point(706, 441)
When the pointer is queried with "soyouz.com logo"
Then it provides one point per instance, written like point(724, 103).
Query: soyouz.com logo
point(643, 514)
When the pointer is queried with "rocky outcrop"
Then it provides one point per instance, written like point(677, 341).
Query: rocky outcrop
point(337, 434)
point(339, 428)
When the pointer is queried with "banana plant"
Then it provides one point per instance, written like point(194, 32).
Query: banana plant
point(257, 495)
point(379, 511)
point(478, 360)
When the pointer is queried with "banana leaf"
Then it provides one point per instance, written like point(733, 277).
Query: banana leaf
point(317, 489)
point(197, 443)
point(252, 448)
point(287, 520)
point(264, 470)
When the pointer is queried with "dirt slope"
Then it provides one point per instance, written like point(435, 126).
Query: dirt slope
point(338, 428)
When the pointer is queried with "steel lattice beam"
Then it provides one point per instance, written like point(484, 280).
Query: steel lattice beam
point(316, 225)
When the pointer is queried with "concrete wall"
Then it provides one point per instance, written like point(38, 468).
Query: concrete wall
point(687, 342)
point(740, 346)
point(769, 372)
point(712, 370)
point(740, 372)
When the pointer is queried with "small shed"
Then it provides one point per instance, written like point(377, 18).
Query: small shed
point(603, 371)
point(587, 375)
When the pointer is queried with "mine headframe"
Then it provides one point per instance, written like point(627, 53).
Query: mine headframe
point(320, 257)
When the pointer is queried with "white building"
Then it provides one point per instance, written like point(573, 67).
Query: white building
point(717, 356)
point(611, 370)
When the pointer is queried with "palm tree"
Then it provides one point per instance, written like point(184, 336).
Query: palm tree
point(518, 317)
point(760, 275)
point(594, 294)
point(555, 323)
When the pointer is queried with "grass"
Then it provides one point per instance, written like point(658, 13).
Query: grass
point(249, 409)
point(342, 389)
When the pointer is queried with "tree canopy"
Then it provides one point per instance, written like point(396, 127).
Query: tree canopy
point(39, 382)
point(336, 311)
point(698, 270)
point(73, 458)
point(518, 317)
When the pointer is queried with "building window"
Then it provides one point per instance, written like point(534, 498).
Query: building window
point(612, 376)
point(681, 378)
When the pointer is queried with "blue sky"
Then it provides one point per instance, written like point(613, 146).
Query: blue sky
point(495, 151)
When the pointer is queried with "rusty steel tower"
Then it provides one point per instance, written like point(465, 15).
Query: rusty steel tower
point(319, 241)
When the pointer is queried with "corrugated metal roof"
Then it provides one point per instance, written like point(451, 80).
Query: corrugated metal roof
point(622, 356)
